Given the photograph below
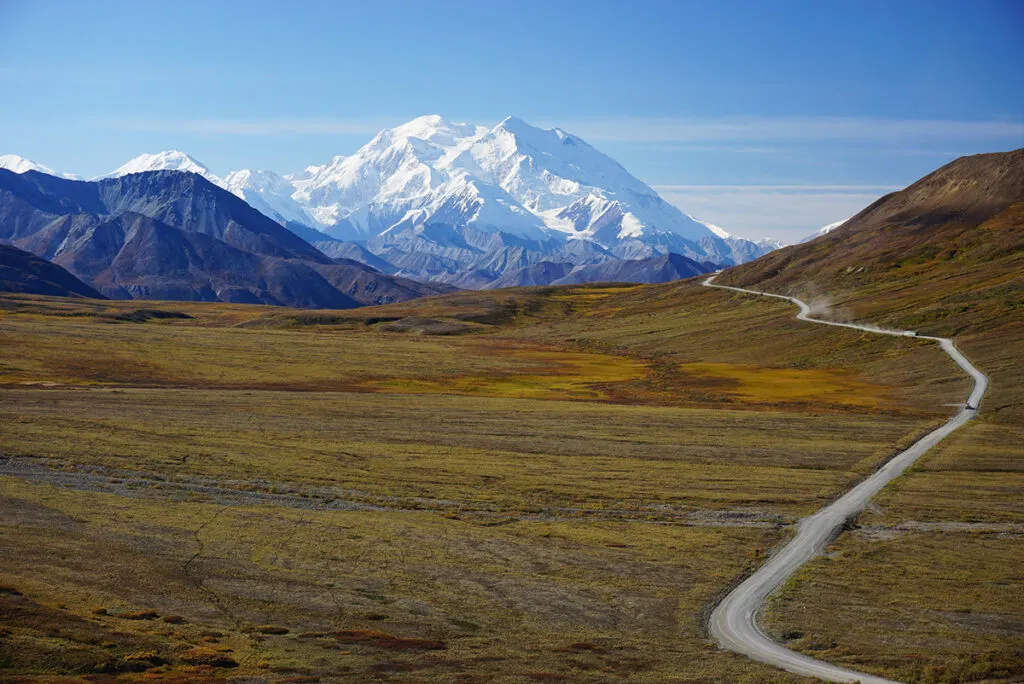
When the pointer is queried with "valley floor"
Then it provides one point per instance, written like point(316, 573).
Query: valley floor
point(927, 585)
point(529, 485)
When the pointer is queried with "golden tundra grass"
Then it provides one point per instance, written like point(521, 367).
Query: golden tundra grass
point(927, 586)
point(530, 601)
point(557, 490)
point(498, 454)
point(941, 605)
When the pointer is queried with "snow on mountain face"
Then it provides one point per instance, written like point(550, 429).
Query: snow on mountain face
point(825, 230)
point(268, 193)
point(17, 164)
point(727, 236)
point(171, 160)
point(398, 172)
point(13, 162)
point(571, 186)
point(513, 178)
point(543, 186)
point(720, 232)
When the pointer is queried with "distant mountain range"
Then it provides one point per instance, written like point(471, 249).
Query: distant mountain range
point(469, 206)
point(13, 162)
point(175, 235)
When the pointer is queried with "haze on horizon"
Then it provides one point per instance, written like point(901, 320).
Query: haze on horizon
point(769, 120)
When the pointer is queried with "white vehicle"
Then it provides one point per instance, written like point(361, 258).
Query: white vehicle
point(911, 333)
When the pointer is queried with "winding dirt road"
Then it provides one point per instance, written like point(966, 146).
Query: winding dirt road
point(733, 623)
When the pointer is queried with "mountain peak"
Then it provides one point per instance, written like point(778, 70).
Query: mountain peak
point(512, 122)
point(427, 120)
point(434, 129)
point(18, 164)
point(544, 139)
point(521, 130)
point(538, 184)
point(168, 160)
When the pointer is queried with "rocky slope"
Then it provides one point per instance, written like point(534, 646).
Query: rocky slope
point(176, 235)
point(22, 271)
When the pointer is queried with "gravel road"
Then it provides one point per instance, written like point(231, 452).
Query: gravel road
point(733, 623)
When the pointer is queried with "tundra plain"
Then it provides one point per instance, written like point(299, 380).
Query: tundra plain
point(545, 484)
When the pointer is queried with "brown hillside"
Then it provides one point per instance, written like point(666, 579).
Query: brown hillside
point(940, 255)
point(944, 256)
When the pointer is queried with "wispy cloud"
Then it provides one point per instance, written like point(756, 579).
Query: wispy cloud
point(792, 129)
point(784, 212)
point(769, 188)
point(270, 127)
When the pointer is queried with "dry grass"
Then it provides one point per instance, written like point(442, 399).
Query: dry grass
point(487, 453)
point(913, 606)
point(753, 384)
point(948, 276)
point(380, 592)
point(657, 353)
point(976, 475)
point(927, 588)
point(559, 493)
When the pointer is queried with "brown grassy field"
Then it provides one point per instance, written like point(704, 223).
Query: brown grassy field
point(927, 586)
point(548, 484)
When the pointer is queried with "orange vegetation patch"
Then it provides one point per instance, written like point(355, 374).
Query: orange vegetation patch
point(760, 385)
point(551, 374)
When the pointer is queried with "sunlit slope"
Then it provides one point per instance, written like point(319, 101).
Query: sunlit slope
point(944, 256)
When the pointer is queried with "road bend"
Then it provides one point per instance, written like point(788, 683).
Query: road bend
point(734, 622)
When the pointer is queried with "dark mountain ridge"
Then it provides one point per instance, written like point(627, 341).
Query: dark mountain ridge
point(22, 271)
point(175, 235)
point(658, 269)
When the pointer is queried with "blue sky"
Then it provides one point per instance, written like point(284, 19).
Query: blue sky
point(769, 118)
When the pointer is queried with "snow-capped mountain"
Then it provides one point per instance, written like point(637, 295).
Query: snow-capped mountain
point(461, 204)
point(270, 193)
point(824, 230)
point(741, 249)
point(513, 178)
point(570, 186)
point(544, 186)
point(13, 162)
point(170, 160)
